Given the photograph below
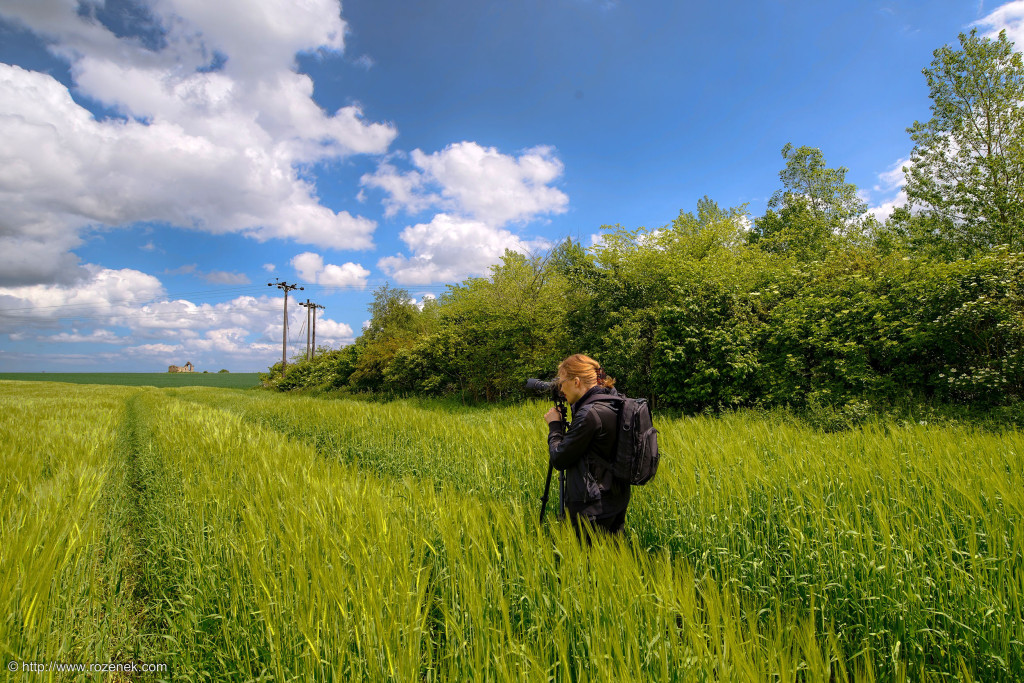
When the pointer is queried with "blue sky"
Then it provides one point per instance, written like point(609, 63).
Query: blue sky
point(161, 161)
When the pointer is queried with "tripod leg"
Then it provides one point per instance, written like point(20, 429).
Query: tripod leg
point(561, 495)
point(544, 498)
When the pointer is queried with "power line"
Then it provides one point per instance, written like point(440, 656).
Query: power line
point(313, 351)
point(156, 299)
point(285, 287)
point(172, 297)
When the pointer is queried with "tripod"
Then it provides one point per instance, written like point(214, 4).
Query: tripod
point(563, 413)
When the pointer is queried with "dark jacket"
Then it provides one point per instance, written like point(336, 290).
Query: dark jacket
point(584, 453)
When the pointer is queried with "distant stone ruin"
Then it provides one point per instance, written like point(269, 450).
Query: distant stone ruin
point(187, 367)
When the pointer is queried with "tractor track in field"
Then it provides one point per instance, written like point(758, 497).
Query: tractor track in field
point(130, 549)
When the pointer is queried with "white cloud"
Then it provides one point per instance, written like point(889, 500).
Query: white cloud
point(161, 351)
point(479, 191)
point(258, 36)
point(885, 209)
point(128, 308)
point(215, 150)
point(405, 191)
point(1010, 17)
point(332, 332)
point(101, 336)
point(269, 267)
point(310, 268)
point(449, 249)
point(218, 277)
point(423, 301)
point(103, 294)
point(221, 277)
point(475, 182)
point(890, 181)
point(494, 187)
point(894, 178)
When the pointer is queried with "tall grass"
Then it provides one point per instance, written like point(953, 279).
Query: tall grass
point(59, 573)
point(899, 547)
point(264, 537)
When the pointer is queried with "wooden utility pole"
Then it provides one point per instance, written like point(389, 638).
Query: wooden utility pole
point(315, 306)
point(285, 287)
point(308, 306)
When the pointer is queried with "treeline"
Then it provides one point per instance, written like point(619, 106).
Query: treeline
point(815, 303)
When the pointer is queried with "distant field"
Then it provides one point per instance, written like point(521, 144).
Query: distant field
point(225, 380)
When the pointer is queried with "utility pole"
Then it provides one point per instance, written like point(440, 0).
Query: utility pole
point(285, 287)
point(315, 306)
point(308, 306)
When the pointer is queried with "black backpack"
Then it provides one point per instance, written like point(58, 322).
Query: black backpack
point(636, 451)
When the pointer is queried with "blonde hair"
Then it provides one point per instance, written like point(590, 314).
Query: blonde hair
point(586, 368)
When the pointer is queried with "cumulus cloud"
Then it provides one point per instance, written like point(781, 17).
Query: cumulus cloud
point(890, 181)
point(894, 178)
point(332, 332)
point(478, 191)
point(476, 182)
point(884, 209)
point(101, 336)
point(215, 125)
point(449, 249)
point(220, 277)
point(129, 308)
point(1008, 17)
point(310, 268)
point(102, 293)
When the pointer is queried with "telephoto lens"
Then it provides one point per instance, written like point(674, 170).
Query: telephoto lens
point(539, 386)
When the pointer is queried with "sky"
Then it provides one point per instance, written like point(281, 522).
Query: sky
point(163, 161)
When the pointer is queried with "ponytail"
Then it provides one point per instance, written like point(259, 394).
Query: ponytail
point(587, 369)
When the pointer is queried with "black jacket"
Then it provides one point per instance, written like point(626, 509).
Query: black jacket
point(584, 454)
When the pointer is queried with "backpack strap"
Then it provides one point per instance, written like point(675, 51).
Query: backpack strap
point(607, 398)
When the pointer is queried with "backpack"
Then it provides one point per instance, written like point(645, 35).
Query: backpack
point(636, 450)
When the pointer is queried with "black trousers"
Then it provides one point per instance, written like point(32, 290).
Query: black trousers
point(586, 528)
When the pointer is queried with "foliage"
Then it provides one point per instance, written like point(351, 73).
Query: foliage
point(965, 171)
point(490, 334)
point(815, 210)
point(813, 305)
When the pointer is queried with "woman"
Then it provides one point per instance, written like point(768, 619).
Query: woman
point(584, 453)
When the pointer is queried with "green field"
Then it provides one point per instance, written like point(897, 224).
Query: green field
point(239, 535)
point(226, 380)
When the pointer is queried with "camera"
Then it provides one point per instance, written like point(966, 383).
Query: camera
point(550, 389)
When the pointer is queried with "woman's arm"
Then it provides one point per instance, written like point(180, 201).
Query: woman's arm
point(566, 449)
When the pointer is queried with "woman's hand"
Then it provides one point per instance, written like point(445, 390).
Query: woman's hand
point(552, 415)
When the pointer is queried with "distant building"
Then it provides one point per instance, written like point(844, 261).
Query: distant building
point(181, 368)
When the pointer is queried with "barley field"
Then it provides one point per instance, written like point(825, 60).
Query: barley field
point(240, 535)
point(225, 380)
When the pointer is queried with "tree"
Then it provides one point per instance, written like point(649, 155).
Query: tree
point(966, 172)
point(395, 323)
point(817, 208)
point(392, 314)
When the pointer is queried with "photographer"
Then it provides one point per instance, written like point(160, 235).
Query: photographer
point(582, 454)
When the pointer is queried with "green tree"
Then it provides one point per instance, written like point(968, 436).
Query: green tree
point(815, 210)
point(638, 274)
point(395, 323)
point(965, 178)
